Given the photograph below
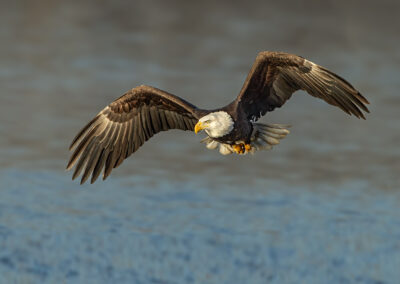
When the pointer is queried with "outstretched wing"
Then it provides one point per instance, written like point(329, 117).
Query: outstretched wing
point(123, 126)
point(275, 76)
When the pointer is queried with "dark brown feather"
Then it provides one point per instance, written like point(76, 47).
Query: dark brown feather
point(79, 135)
point(275, 76)
point(123, 126)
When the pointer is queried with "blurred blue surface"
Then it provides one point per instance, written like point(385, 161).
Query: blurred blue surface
point(126, 231)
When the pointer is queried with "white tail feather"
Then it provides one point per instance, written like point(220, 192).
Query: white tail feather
point(267, 135)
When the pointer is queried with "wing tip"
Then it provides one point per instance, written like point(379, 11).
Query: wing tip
point(69, 166)
point(75, 174)
point(362, 98)
point(359, 115)
point(84, 178)
point(363, 102)
point(83, 131)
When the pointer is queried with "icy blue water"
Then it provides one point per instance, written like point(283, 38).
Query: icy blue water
point(125, 231)
point(322, 207)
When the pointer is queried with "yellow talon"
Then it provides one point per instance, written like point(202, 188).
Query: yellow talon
point(247, 147)
point(239, 148)
point(236, 148)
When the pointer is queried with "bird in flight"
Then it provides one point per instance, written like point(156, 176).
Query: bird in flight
point(124, 125)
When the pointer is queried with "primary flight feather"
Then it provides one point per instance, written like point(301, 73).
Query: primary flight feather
point(129, 121)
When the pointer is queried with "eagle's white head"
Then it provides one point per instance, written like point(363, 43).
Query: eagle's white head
point(216, 124)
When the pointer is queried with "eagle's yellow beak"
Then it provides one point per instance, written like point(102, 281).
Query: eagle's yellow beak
point(199, 127)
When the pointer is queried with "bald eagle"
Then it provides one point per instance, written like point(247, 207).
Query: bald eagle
point(124, 125)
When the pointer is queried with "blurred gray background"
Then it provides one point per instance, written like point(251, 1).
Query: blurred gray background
point(321, 207)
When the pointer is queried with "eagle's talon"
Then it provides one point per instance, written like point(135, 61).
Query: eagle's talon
point(239, 148)
point(236, 148)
